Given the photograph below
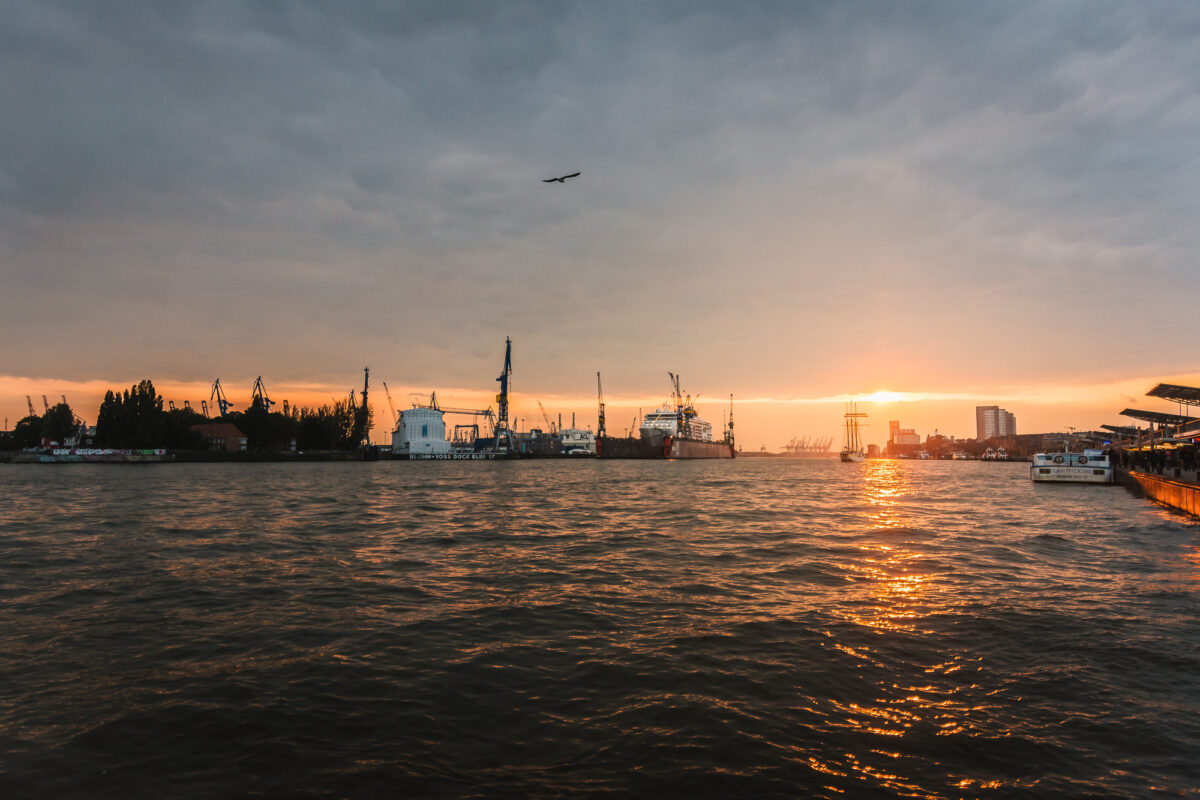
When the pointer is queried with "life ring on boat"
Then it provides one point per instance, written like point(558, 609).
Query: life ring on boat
point(1058, 459)
point(1083, 459)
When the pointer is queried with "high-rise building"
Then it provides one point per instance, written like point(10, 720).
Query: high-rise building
point(993, 422)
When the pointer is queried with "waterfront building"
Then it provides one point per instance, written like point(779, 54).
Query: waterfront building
point(222, 437)
point(902, 441)
point(993, 422)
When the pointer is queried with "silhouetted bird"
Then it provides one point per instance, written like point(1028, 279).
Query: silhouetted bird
point(563, 179)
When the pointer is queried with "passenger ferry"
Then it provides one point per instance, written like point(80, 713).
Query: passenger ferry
point(1090, 466)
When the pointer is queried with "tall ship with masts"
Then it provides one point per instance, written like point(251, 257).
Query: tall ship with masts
point(853, 451)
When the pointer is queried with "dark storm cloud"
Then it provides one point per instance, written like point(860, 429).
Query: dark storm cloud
point(350, 176)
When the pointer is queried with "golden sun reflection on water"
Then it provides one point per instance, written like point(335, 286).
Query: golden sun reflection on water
point(894, 588)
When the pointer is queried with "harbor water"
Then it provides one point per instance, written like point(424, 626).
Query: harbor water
point(754, 628)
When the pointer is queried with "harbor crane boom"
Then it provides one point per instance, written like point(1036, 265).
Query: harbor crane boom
point(388, 392)
point(545, 416)
point(46, 404)
point(29, 400)
point(218, 395)
point(259, 393)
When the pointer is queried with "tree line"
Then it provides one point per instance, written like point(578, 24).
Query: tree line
point(135, 419)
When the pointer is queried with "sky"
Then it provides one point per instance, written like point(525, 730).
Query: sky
point(793, 203)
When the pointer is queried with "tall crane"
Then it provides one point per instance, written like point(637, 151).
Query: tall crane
point(388, 392)
point(259, 393)
point(170, 405)
point(46, 404)
point(730, 428)
point(600, 432)
point(362, 414)
point(549, 425)
point(218, 395)
point(204, 408)
point(29, 400)
point(502, 429)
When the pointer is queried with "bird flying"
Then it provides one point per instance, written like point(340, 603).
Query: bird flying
point(563, 179)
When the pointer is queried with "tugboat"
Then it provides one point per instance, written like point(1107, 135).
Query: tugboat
point(853, 452)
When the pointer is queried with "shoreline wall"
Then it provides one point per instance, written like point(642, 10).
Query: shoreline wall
point(1175, 494)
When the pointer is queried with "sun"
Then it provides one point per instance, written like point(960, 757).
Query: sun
point(883, 396)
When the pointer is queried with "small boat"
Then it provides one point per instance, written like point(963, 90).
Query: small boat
point(1090, 466)
point(853, 452)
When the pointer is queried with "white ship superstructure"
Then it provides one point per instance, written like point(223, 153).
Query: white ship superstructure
point(666, 422)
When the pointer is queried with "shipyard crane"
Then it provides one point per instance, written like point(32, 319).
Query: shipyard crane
point(600, 431)
point(362, 419)
point(259, 393)
point(287, 411)
point(29, 400)
point(204, 408)
point(549, 425)
point(170, 405)
point(64, 399)
point(218, 396)
point(502, 429)
point(46, 404)
point(187, 406)
point(388, 392)
point(730, 427)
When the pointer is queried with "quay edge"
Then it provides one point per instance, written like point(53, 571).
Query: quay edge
point(1174, 494)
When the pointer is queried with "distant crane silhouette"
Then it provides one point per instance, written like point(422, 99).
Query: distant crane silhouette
point(563, 179)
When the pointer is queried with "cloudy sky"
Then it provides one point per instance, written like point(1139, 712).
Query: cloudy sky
point(791, 202)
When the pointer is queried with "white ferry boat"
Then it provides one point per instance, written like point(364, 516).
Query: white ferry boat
point(1090, 466)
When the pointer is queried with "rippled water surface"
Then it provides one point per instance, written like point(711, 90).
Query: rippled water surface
point(751, 628)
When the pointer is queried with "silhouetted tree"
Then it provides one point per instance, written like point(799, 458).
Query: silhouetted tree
point(327, 428)
point(134, 419)
point(265, 430)
point(27, 432)
point(58, 424)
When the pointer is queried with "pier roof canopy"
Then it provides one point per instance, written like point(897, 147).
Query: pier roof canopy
point(1188, 395)
point(1156, 417)
point(1127, 430)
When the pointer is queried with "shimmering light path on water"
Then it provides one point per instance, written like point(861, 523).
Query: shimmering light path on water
point(755, 628)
